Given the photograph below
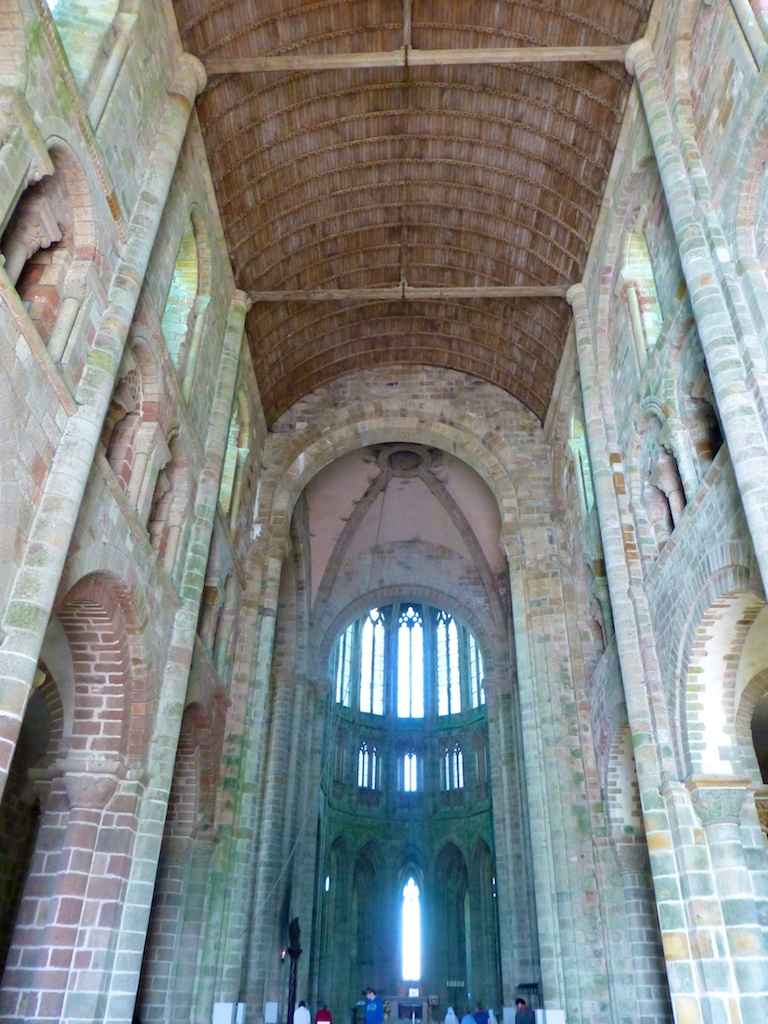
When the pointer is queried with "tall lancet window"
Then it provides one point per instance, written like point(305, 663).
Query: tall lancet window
point(410, 665)
point(367, 765)
point(344, 666)
point(448, 675)
point(372, 664)
point(476, 689)
point(453, 768)
point(411, 932)
point(410, 773)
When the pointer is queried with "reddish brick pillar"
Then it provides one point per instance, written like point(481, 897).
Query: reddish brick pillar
point(61, 919)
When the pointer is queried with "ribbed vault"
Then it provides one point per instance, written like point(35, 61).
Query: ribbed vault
point(417, 171)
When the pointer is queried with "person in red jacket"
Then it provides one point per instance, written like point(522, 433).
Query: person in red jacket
point(323, 1015)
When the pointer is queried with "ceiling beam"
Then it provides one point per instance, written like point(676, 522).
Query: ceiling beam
point(408, 292)
point(409, 57)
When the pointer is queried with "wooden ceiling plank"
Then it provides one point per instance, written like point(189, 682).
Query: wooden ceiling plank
point(410, 57)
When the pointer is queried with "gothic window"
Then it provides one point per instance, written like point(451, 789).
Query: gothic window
point(578, 446)
point(367, 767)
point(231, 488)
point(410, 665)
point(184, 311)
point(83, 29)
point(453, 768)
point(344, 666)
point(372, 664)
point(410, 769)
point(641, 295)
point(448, 676)
point(476, 689)
point(408, 661)
point(411, 933)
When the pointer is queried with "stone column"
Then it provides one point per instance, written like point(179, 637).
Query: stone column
point(745, 430)
point(739, 972)
point(676, 438)
point(124, 28)
point(224, 966)
point(31, 598)
point(640, 672)
point(173, 688)
point(649, 979)
point(554, 953)
point(169, 971)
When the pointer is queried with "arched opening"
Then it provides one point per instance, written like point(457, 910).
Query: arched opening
point(411, 931)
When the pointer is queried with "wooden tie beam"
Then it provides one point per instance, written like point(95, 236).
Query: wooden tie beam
point(407, 292)
point(408, 57)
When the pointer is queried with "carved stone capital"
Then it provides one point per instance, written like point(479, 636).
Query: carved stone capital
point(90, 790)
point(718, 799)
point(631, 854)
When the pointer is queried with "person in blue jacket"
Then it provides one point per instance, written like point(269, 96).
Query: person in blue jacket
point(374, 1008)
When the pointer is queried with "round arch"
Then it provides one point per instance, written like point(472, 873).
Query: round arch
point(712, 649)
point(330, 428)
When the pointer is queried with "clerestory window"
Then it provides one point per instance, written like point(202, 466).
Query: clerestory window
point(448, 675)
point(344, 667)
point(476, 689)
point(372, 664)
point(410, 665)
point(410, 661)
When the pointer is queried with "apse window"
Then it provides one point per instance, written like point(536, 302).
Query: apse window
point(372, 664)
point(448, 674)
point(407, 660)
point(410, 765)
point(410, 665)
point(411, 934)
point(367, 767)
point(344, 667)
point(476, 688)
point(453, 768)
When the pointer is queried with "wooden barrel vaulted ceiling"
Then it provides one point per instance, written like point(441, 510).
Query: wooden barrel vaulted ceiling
point(410, 181)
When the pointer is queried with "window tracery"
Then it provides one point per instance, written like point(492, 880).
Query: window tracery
point(408, 660)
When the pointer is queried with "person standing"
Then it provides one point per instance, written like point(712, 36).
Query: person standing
point(374, 1008)
point(481, 1015)
point(323, 1015)
point(301, 1014)
point(467, 1018)
point(524, 1014)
